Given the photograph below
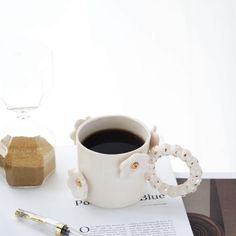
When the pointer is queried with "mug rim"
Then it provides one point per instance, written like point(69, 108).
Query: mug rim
point(113, 116)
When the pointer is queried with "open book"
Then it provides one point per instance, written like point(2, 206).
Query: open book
point(155, 214)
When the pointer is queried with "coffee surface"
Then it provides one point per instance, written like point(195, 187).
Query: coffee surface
point(113, 141)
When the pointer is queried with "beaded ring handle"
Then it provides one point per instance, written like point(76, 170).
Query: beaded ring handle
point(190, 185)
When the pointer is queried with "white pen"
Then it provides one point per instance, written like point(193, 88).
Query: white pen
point(53, 226)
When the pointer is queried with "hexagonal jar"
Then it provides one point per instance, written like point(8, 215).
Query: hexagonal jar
point(30, 160)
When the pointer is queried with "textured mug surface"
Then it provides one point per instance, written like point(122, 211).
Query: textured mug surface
point(108, 186)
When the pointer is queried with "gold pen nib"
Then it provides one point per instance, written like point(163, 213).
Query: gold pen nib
point(20, 214)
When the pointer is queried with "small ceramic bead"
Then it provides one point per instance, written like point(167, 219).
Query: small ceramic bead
point(151, 167)
point(176, 150)
point(153, 180)
point(196, 172)
point(163, 188)
point(185, 155)
point(181, 190)
point(153, 158)
point(189, 187)
point(172, 191)
point(158, 180)
point(192, 162)
point(147, 176)
point(165, 149)
point(194, 181)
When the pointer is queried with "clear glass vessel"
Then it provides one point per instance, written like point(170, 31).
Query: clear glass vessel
point(26, 146)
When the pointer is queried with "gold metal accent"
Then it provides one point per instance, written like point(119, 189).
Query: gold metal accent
point(18, 213)
point(135, 165)
point(58, 229)
point(21, 214)
point(78, 183)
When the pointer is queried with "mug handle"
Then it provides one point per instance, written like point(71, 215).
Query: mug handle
point(190, 185)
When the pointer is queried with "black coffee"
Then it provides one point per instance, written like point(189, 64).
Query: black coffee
point(113, 141)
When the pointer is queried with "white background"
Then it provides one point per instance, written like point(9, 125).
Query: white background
point(170, 63)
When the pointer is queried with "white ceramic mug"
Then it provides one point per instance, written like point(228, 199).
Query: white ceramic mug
point(119, 180)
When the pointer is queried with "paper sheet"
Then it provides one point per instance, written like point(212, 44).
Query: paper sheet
point(154, 215)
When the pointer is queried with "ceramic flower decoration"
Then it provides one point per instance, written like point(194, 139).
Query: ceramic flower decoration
point(154, 138)
point(78, 123)
point(137, 164)
point(77, 184)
